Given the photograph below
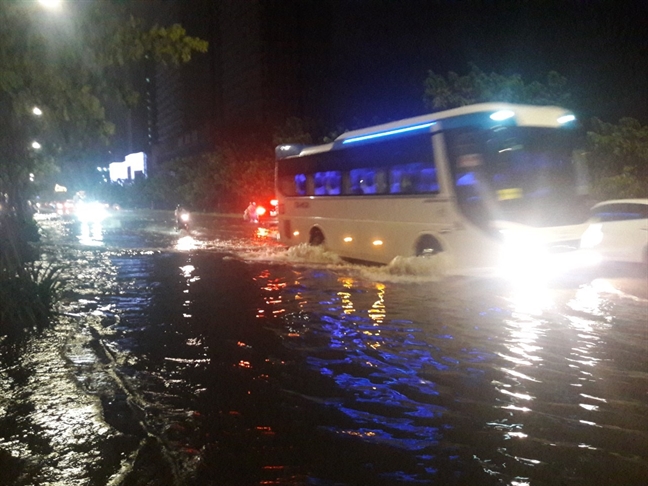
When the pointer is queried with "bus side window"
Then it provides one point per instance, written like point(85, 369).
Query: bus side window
point(369, 182)
point(300, 185)
point(428, 180)
point(333, 182)
point(363, 181)
point(413, 178)
point(320, 183)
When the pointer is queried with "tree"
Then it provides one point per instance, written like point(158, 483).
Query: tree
point(69, 65)
point(618, 158)
point(453, 90)
point(191, 181)
point(294, 130)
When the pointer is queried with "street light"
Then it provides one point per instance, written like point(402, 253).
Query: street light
point(37, 111)
point(52, 4)
point(36, 145)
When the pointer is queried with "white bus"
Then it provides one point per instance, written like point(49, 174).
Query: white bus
point(475, 184)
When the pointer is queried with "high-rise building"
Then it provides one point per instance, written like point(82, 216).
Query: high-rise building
point(257, 72)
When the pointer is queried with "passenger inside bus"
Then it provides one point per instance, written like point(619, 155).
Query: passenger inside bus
point(363, 181)
point(300, 185)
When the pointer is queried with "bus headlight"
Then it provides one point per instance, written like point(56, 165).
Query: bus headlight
point(592, 236)
point(522, 254)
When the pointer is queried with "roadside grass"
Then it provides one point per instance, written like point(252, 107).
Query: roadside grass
point(29, 290)
point(28, 299)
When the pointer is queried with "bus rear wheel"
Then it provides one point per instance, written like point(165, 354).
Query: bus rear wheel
point(428, 246)
point(316, 237)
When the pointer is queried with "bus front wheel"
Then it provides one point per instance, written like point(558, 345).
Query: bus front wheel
point(428, 246)
point(316, 237)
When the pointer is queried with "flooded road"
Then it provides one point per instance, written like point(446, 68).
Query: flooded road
point(220, 358)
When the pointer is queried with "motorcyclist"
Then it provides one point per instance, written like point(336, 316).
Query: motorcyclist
point(250, 213)
point(182, 218)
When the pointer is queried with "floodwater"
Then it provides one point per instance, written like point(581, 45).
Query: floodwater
point(220, 358)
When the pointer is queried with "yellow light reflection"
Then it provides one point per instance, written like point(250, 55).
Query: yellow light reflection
point(377, 311)
point(347, 304)
point(345, 297)
point(274, 299)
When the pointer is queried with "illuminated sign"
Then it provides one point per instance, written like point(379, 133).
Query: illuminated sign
point(128, 169)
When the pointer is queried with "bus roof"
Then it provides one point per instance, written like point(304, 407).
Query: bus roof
point(511, 114)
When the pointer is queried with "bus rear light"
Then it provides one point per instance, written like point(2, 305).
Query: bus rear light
point(377, 242)
point(295, 233)
point(348, 239)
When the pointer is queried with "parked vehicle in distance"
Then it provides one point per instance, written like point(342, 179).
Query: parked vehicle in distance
point(618, 231)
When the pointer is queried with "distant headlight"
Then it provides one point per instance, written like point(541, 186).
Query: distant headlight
point(91, 212)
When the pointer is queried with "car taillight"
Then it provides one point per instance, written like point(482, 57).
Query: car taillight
point(260, 210)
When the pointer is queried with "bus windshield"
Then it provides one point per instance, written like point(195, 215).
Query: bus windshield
point(527, 175)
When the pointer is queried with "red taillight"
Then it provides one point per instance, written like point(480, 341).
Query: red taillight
point(260, 210)
point(274, 202)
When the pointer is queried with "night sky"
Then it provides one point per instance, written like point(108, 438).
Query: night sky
point(378, 52)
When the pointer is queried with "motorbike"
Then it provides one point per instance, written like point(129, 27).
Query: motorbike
point(182, 220)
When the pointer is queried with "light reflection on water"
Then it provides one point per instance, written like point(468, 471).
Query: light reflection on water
point(412, 379)
point(540, 349)
point(91, 234)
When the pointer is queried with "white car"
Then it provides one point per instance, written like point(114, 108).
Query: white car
point(618, 230)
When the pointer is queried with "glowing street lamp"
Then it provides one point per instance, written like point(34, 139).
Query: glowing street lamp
point(36, 145)
point(37, 111)
point(51, 4)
